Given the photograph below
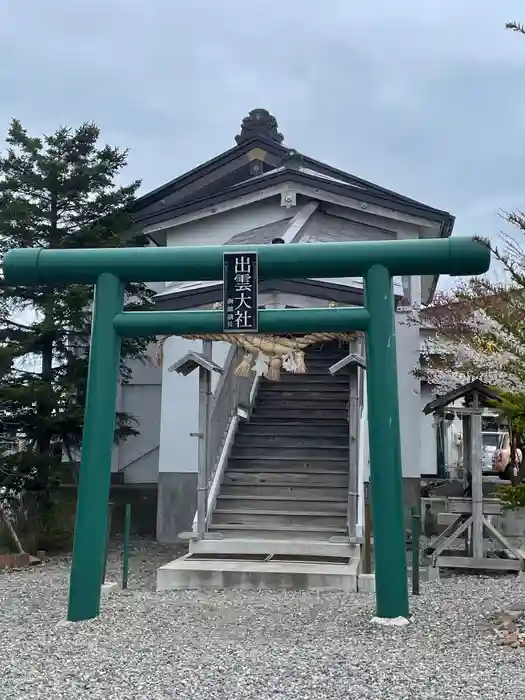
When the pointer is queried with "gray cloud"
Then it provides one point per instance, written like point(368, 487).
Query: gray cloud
point(424, 99)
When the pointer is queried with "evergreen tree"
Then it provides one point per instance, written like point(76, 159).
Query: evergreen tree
point(57, 191)
point(515, 27)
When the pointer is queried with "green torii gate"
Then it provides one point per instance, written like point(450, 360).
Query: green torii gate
point(109, 269)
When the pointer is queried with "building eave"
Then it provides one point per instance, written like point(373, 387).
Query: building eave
point(292, 176)
point(179, 300)
point(206, 168)
point(330, 171)
point(441, 402)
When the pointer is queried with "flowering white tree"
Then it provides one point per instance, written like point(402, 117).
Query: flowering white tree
point(477, 331)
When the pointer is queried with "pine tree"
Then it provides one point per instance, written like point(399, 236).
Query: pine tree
point(57, 191)
point(515, 27)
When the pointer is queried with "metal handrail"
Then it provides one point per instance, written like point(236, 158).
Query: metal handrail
point(231, 393)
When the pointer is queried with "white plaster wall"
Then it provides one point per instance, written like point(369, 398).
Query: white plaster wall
point(363, 459)
point(180, 406)
point(137, 457)
point(428, 435)
point(179, 411)
point(220, 228)
point(407, 347)
point(219, 354)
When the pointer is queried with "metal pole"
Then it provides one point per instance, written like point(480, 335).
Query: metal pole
point(125, 551)
point(415, 550)
point(353, 468)
point(207, 352)
point(97, 446)
point(385, 448)
point(201, 456)
point(108, 538)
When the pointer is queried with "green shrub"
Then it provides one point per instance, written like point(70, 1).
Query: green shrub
point(512, 497)
point(44, 523)
point(7, 546)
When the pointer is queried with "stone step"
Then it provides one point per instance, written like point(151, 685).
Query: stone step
point(261, 449)
point(285, 414)
point(268, 518)
point(308, 380)
point(323, 397)
point(320, 366)
point(246, 503)
point(299, 427)
point(214, 544)
point(296, 492)
point(292, 463)
point(282, 478)
point(299, 442)
point(269, 530)
point(324, 358)
point(314, 372)
point(329, 385)
point(191, 573)
point(301, 403)
point(278, 535)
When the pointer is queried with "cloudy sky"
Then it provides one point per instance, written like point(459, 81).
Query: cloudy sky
point(424, 98)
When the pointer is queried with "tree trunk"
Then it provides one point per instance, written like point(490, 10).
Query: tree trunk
point(7, 522)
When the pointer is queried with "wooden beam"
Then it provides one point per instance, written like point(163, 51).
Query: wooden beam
point(304, 214)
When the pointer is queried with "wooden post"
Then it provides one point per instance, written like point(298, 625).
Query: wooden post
point(467, 469)
point(476, 481)
point(353, 457)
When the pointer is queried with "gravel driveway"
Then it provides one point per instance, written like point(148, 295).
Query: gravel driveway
point(260, 645)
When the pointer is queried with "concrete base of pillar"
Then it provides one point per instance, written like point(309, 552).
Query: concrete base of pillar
point(108, 588)
point(176, 505)
point(366, 583)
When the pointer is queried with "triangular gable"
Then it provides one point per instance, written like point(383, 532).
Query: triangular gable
point(484, 392)
point(219, 173)
point(260, 157)
point(281, 176)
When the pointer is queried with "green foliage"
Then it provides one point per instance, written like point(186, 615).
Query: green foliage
point(515, 27)
point(48, 526)
point(56, 191)
point(7, 546)
point(512, 406)
point(512, 497)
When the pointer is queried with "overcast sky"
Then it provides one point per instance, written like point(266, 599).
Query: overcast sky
point(423, 98)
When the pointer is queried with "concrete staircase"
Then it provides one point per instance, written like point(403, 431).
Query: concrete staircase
point(280, 519)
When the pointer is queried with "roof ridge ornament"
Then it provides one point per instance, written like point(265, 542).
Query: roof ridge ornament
point(259, 122)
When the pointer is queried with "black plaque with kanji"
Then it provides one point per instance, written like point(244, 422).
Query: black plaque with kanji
point(240, 293)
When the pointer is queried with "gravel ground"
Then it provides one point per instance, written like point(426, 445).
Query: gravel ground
point(251, 645)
